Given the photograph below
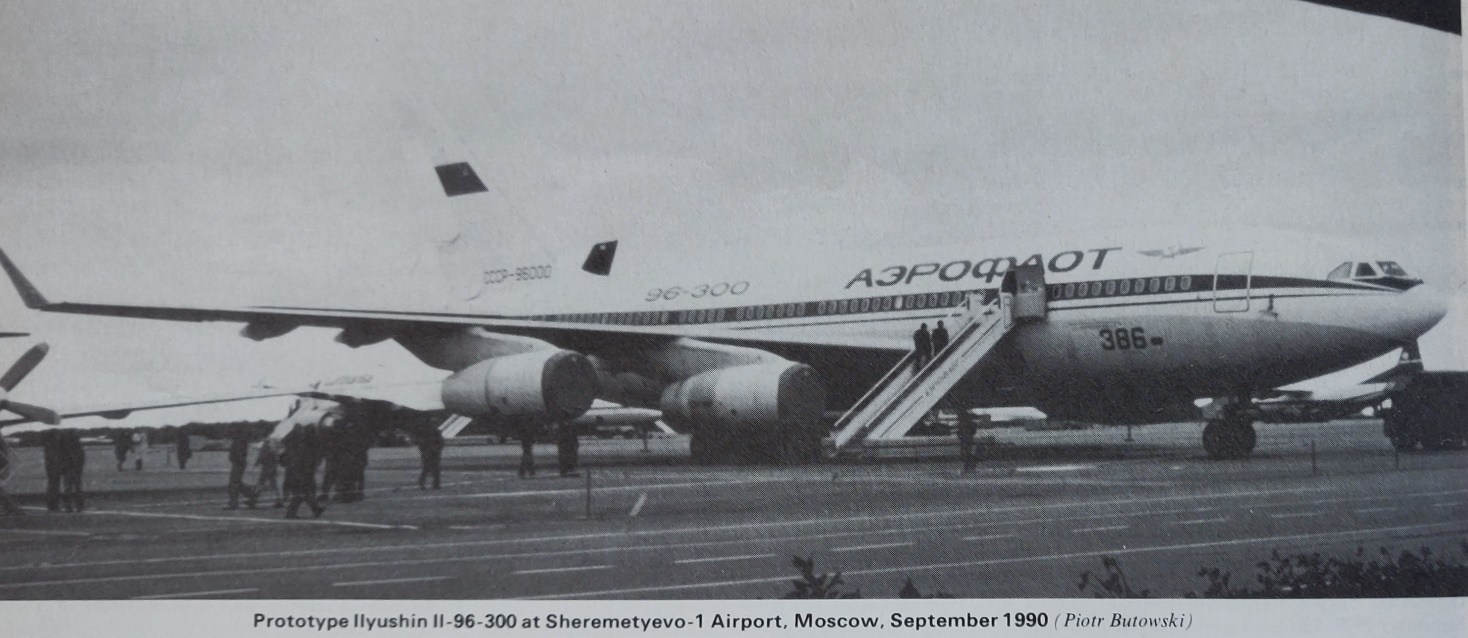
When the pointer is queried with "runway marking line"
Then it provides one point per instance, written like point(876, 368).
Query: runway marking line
point(193, 594)
point(1201, 521)
point(735, 527)
point(1002, 561)
point(857, 548)
point(251, 519)
point(1105, 528)
point(44, 532)
point(436, 560)
point(989, 537)
point(610, 488)
point(560, 570)
point(719, 559)
point(389, 581)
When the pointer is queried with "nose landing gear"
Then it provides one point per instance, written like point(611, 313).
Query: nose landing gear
point(1231, 435)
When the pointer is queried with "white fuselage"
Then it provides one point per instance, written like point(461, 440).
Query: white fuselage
point(1137, 319)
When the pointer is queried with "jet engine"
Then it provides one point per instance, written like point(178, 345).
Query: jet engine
point(553, 384)
point(752, 412)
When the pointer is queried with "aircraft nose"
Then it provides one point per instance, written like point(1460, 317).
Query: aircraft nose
point(1419, 310)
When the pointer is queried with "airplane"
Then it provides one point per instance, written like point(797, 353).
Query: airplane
point(745, 349)
point(1337, 402)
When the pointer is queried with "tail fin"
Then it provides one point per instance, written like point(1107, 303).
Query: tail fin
point(478, 230)
point(1408, 364)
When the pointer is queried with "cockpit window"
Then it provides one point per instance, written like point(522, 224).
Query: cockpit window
point(1364, 269)
point(1391, 269)
point(1341, 272)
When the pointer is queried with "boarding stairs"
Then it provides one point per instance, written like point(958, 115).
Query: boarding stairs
point(897, 402)
point(452, 426)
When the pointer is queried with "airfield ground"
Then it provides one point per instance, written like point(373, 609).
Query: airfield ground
point(1044, 507)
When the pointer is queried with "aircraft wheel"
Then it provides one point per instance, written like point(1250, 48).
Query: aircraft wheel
point(705, 448)
point(1245, 439)
point(1229, 439)
point(1215, 441)
point(1404, 443)
point(800, 445)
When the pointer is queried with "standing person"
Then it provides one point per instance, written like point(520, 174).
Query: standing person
point(74, 457)
point(239, 456)
point(121, 443)
point(567, 446)
point(967, 431)
point(140, 445)
point(51, 457)
point(527, 448)
point(330, 438)
point(302, 454)
point(940, 338)
point(922, 348)
point(359, 449)
point(8, 506)
point(269, 463)
point(430, 452)
point(182, 447)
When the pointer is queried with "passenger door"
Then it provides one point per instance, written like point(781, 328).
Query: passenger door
point(1232, 279)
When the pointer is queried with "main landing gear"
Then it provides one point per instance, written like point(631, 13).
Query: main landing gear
point(1231, 435)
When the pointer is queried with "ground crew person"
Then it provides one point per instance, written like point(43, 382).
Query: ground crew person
point(53, 461)
point(940, 338)
point(922, 348)
point(182, 448)
point(239, 456)
point(302, 454)
point(527, 448)
point(430, 452)
point(269, 462)
point(121, 443)
point(567, 445)
point(74, 460)
point(967, 430)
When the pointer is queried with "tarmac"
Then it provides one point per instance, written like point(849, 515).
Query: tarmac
point(1042, 508)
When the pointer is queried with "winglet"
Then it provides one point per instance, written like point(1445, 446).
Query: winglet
point(28, 293)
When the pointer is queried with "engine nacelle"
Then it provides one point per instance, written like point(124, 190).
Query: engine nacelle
point(766, 394)
point(554, 384)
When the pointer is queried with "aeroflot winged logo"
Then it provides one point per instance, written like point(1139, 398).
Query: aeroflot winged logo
point(1170, 252)
point(986, 270)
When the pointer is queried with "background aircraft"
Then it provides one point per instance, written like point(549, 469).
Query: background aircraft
point(1285, 406)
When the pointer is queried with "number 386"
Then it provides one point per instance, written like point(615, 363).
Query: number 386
point(1123, 339)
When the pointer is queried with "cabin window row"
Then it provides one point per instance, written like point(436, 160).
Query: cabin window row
point(769, 311)
point(1119, 287)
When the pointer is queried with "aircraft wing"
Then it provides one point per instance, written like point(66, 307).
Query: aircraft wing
point(115, 411)
point(416, 394)
point(360, 325)
point(423, 396)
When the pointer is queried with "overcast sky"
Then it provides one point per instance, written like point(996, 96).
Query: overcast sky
point(272, 151)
